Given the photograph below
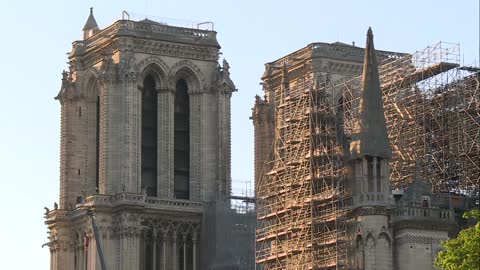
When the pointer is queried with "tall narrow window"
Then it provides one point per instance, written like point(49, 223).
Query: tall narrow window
point(149, 136)
point(370, 173)
point(182, 142)
point(379, 175)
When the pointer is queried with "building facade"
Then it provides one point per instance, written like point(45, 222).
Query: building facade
point(145, 146)
point(323, 156)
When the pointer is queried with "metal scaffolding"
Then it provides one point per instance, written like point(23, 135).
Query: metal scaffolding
point(432, 109)
point(301, 202)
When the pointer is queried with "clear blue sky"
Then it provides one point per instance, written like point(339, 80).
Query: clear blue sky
point(36, 35)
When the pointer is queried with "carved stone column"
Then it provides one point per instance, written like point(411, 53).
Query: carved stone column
point(154, 249)
point(364, 174)
point(174, 252)
point(136, 248)
point(194, 249)
point(385, 171)
point(184, 243)
point(110, 249)
point(163, 258)
point(52, 259)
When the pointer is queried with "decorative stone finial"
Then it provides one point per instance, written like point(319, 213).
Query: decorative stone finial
point(226, 67)
point(258, 99)
point(91, 26)
point(64, 75)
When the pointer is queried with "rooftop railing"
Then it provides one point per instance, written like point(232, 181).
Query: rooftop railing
point(414, 212)
point(146, 26)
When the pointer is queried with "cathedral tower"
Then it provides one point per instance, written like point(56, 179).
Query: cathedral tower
point(369, 181)
point(145, 144)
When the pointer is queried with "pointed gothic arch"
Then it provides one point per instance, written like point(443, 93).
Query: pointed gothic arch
point(152, 66)
point(185, 81)
point(359, 252)
point(383, 251)
point(92, 75)
point(188, 71)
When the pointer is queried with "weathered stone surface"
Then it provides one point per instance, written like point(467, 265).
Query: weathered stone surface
point(141, 226)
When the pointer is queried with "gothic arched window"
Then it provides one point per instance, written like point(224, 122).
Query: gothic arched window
point(181, 141)
point(97, 143)
point(149, 136)
point(92, 114)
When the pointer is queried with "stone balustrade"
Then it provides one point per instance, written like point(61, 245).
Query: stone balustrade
point(142, 200)
point(416, 212)
point(163, 28)
point(320, 49)
point(371, 198)
point(100, 200)
point(124, 26)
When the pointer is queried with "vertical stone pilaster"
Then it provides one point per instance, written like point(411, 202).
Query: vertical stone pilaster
point(374, 176)
point(163, 257)
point(364, 175)
point(73, 172)
point(194, 251)
point(90, 133)
point(184, 249)
point(136, 248)
point(133, 140)
point(223, 187)
point(358, 176)
point(121, 249)
point(174, 252)
point(154, 249)
point(165, 142)
point(169, 252)
point(65, 256)
point(109, 250)
point(52, 259)
point(118, 152)
point(207, 183)
point(112, 129)
point(64, 149)
point(196, 155)
point(104, 140)
point(386, 176)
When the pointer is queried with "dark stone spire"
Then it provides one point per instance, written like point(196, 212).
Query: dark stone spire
point(91, 22)
point(370, 136)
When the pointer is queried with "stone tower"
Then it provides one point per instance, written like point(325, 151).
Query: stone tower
point(322, 171)
point(145, 144)
point(368, 164)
